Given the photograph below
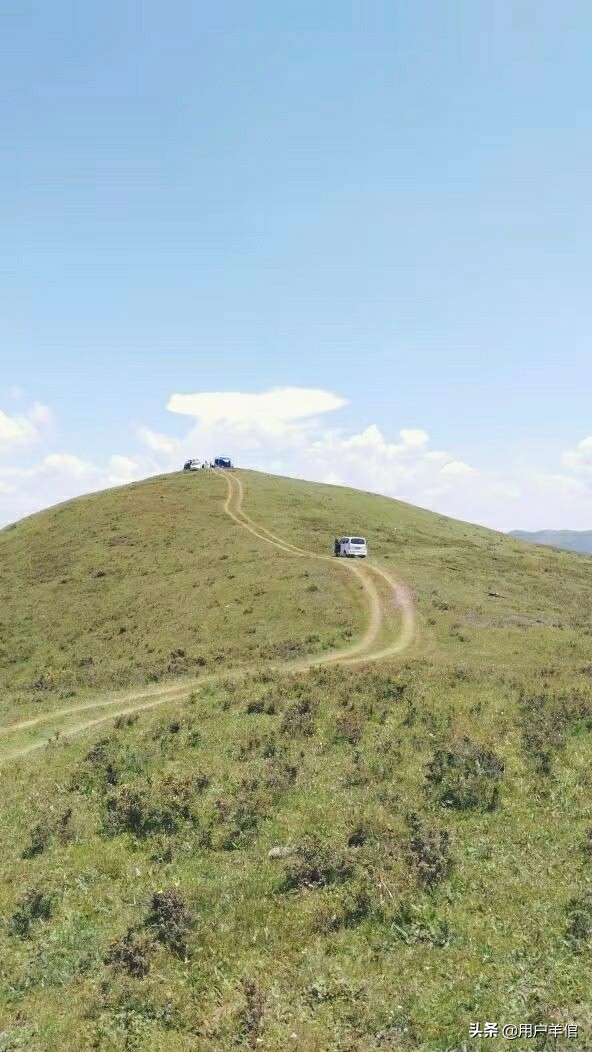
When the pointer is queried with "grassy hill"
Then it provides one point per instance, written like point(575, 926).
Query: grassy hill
point(277, 850)
point(572, 540)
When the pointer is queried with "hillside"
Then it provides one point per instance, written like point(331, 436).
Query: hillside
point(571, 540)
point(256, 797)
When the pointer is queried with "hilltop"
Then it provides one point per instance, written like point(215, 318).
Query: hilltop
point(150, 582)
point(571, 540)
point(256, 797)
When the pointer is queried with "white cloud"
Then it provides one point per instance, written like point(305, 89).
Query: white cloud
point(271, 410)
point(370, 461)
point(414, 436)
point(122, 469)
point(118, 469)
point(285, 431)
point(580, 458)
point(30, 481)
point(23, 429)
point(156, 441)
point(457, 467)
point(41, 414)
point(67, 464)
point(261, 427)
point(15, 430)
point(559, 484)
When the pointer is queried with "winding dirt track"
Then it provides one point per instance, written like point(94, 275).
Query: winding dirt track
point(381, 621)
point(380, 614)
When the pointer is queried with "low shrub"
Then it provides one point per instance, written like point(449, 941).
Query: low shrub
point(97, 769)
point(170, 920)
point(124, 1018)
point(579, 922)
point(166, 733)
point(428, 852)
point(126, 720)
point(546, 719)
point(298, 719)
point(349, 727)
point(256, 745)
point(345, 907)
point(416, 923)
point(34, 905)
point(358, 836)
point(133, 811)
point(145, 809)
point(279, 774)
point(543, 733)
point(178, 792)
point(48, 827)
point(97, 756)
point(64, 828)
point(253, 1012)
point(465, 776)
point(239, 819)
point(39, 838)
point(359, 773)
point(130, 954)
point(261, 706)
point(314, 864)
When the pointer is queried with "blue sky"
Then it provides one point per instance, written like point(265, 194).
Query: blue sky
point(387, 202)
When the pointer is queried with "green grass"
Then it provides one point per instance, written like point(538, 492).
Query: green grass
point(150, 583)
point(432, 814)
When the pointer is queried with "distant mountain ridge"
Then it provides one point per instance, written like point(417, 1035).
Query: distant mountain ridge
point(572, 540)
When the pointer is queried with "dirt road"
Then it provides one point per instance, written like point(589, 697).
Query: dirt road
point(381, 614)
point(390, 614)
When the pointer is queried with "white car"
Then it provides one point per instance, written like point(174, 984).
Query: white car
point(350, 547)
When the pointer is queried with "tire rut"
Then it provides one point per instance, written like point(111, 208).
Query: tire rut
point(365, 650)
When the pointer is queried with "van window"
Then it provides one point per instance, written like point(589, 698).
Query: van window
point(358, 540)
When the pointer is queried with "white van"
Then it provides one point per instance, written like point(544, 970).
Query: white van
point(351, 547)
